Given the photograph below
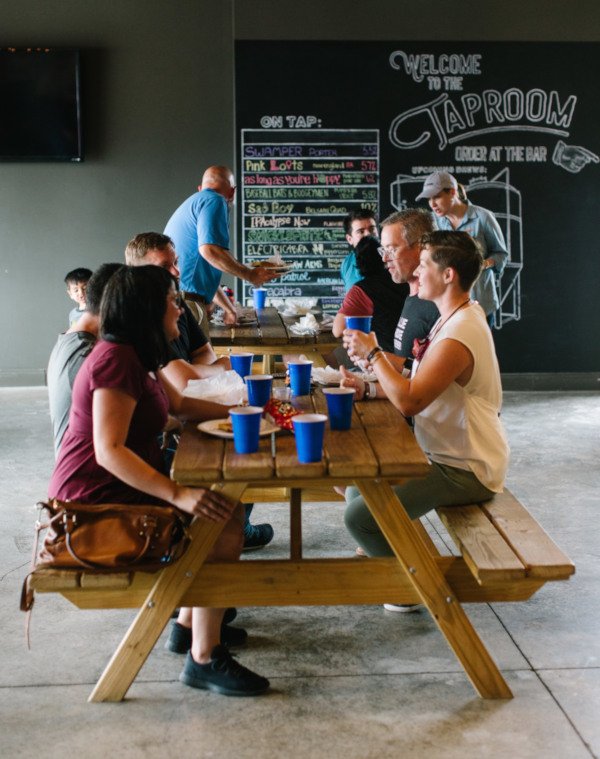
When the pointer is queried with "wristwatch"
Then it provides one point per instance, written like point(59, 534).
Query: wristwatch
point(370, 391)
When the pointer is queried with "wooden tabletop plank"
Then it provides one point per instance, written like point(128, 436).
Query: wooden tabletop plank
point(249, 466)
point(199, 457)
point(287, 461)
point(272, 329)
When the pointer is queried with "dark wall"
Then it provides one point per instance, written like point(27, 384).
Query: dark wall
point(158, 108)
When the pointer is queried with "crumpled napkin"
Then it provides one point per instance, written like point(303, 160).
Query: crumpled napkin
point(308, 325)
point(227, 388)
point(296, 306)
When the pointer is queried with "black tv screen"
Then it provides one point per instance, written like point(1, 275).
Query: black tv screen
point(40, 115)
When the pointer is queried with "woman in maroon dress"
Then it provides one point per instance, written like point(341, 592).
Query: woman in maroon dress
point(110, 451)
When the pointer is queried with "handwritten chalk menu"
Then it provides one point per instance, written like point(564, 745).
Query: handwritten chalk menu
point(296, 187)
point(516, 123)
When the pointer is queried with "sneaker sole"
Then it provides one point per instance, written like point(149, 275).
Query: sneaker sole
point(194, 682)
point(402, 609)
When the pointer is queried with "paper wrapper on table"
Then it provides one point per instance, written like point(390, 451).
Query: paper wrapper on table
point(307, 325)
point(294, 306)
point(227, 388)
point(281, 413)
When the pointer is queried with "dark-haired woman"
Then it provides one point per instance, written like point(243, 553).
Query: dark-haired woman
point(110, 452)
point(376, 295)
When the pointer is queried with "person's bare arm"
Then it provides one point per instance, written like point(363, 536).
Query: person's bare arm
point(179, 372)
point(445, 362)
point(222, 259)
point(190, 409)
point(112, 411)
point(339, 324)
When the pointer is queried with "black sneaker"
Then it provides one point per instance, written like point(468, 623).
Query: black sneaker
point(257, 536)
point(180, 638)
point(223, 675)
point(230, 615)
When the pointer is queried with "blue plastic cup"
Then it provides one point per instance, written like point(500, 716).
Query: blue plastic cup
point(300, 372)
point(242, 363)
point(259, 388)
point(310, 431)
point(245, 421)
point(339, 406)
point(363, 323)
point(260, 295)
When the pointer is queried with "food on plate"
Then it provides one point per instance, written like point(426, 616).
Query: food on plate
point(225, 426)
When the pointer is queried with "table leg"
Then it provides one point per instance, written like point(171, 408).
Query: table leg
point(295, 524)
point(433, 589)
point(159, 605)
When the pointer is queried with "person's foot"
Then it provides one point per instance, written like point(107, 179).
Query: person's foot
point(222, 675)
point(180, 637)
point(402, 608)
point(257, 536)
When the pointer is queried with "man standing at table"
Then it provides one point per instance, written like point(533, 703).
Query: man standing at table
point(357, 224)
point(199, 229)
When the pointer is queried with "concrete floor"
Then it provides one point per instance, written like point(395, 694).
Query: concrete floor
point(346, 681)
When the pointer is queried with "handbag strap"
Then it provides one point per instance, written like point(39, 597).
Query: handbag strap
point(27, 595)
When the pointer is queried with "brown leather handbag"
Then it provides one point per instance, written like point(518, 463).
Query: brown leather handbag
point(111, 536)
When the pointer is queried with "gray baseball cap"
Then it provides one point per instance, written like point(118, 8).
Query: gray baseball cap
point(435, 183)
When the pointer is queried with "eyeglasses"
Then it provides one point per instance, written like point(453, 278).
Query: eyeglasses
point(389, 252)
point(177, 299)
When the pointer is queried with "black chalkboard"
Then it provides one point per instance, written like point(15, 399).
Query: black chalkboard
point(516, 123)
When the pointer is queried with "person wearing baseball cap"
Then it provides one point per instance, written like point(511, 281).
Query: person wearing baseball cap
point(453, 211)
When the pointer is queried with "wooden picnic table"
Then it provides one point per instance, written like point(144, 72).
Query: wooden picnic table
point(379, 450)
point(270, 335)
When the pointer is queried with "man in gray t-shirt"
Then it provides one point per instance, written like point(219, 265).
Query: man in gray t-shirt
point(71, 350)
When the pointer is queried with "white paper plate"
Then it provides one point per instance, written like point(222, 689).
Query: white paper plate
point(211, 427)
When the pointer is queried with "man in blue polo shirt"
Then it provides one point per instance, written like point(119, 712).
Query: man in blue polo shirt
point(199, 229)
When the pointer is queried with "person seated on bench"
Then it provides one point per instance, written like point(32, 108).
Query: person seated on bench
point(110, 451)
point(454, 394)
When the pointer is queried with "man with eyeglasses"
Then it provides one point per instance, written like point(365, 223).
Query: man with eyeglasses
point(400, 250)
point(357, 224)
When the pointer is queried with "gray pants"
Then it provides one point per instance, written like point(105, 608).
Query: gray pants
point(443, 486)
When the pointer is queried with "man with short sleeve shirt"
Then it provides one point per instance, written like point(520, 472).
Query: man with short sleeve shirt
point(199, 229)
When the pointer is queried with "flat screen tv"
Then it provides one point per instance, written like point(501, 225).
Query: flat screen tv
point(40, 114)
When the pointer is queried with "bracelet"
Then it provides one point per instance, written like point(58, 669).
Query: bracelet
point(378, 354)
point(375, 350)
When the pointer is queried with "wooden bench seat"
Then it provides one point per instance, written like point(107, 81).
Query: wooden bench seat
point(501, 542)
point(505, 555)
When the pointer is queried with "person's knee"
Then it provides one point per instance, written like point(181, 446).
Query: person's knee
point(229, 544)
